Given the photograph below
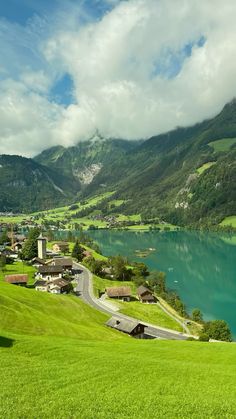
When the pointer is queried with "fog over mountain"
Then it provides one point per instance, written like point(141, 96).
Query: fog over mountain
point(129, 69)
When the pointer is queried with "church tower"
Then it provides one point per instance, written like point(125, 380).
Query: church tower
point(42, 247)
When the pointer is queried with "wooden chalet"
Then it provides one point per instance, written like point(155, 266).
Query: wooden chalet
point(49, 272)
point(65, 263)
point(60, 247)
point(41, 285)
point(36, 262)
point(123, 293)
point(131, 327)
point(145, 295)
point(59, 286)
point(17, 279)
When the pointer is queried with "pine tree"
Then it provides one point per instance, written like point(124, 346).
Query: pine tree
point(77, 251)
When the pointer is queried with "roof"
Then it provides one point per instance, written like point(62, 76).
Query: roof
point(62, 262)
point(38, 260)
point(41, 237)
point(50, 269)
point(124, 325)
point(61, 244)
point(147, 297)
point(119, 292)
point(18, 278)
point(142, 290)
point(40, 283)
point(59, 283)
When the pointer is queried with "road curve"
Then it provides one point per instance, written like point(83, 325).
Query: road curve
point(84, 290)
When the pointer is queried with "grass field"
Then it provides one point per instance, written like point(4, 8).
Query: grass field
point(229, 221)
point(222, 145)
point(150, 313)
point(58, 360)
point(18, 268)
point(205, 166)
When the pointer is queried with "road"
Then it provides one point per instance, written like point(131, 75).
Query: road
point(84, 290)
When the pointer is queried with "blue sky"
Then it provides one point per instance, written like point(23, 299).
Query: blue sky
point(127, 68)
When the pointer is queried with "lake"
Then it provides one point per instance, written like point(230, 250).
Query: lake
point(201, 267)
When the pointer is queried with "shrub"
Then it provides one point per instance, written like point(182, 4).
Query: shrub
point(203, 337)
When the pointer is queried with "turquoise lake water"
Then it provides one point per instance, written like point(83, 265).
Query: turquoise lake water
point(201, 267)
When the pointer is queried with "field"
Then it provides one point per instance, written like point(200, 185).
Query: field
point(150, 313)
point(229, 221)
point(222, 145)
point(205, 166)
point(18, 268)
point(58, 360)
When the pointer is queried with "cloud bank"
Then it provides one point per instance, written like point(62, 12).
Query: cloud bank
point(140, 68)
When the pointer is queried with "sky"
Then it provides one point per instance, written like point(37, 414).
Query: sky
point(128, 69)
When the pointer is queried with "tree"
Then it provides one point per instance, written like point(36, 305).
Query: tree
point(4, 237)
point(140, 269)
point(119, 270)
point(197, 315)
point(77, 252)
point(218, 330)
point(203, 337)
point(30, 248)
point(157, 281)
point(2, 262)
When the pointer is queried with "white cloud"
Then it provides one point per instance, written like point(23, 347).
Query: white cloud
point(132, 75)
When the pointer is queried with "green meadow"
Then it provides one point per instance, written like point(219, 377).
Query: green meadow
point(59, 360)
point(205, 166)
point(224, 144)
point(229, 221)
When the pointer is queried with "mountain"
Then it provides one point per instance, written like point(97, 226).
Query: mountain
point(85, 160)
point(186, 176)
point(27, 186)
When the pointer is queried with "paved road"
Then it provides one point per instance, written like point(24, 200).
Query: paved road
point(84, 290)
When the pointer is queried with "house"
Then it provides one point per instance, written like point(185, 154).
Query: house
point(145, 295)
point(41, 285)
point(49, 272)
point(36, 262)
point(59, 286)
point(62, 247)
point(65, 263)
point(17, 279)
point(17, 246)
point(123, 293)
point(131, 327)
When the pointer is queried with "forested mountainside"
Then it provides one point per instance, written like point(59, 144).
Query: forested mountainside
point(85, 160)
point(28, 186)
point(186, 176)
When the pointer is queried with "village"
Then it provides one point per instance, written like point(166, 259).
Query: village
point(56, 273)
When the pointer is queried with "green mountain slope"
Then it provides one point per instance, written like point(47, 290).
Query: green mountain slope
point(27, 186)
point(85, 160)
point(160, 178)
point(59, 360)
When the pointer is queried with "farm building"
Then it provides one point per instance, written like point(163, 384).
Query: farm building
point(59, 286)
point(145, 295)
point(41, 285)
point(60, 247)
point(131, 327)
point(123, 293)
point(17, 279)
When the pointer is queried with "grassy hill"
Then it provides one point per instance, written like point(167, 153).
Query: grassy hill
point(58, 360)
